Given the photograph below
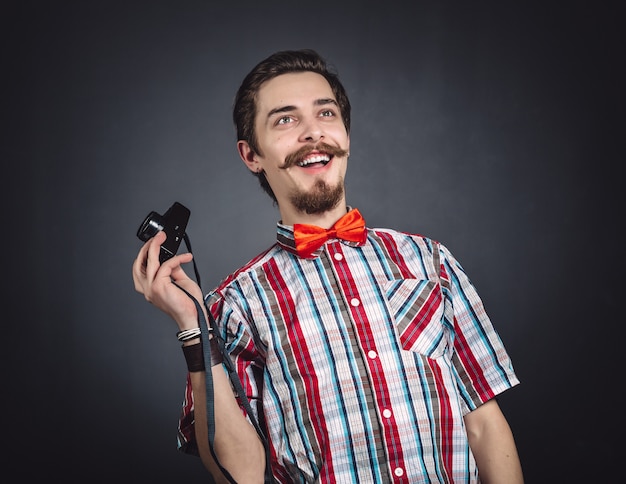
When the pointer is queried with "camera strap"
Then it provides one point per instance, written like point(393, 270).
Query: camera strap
point(195, 267)
point(205, 329)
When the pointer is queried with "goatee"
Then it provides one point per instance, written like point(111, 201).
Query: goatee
point(321, 198)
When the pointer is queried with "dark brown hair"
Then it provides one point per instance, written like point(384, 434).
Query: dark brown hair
point(283, 62)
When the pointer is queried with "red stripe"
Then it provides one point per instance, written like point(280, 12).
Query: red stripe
point(471, 365)
point(377, 376)
point(230, 278)
point(301, 357)
point(186, 421)
point(392, 250)
point(422, 318)
point(446, 422)
point(244, 357)
point(243, 363)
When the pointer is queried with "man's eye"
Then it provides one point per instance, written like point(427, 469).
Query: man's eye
point(328, 113)
point(284, 120)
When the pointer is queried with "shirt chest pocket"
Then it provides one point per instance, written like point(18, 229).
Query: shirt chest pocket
point(417, 309)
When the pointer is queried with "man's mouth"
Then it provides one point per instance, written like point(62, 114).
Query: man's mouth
point(318, 159)
point(313, 156)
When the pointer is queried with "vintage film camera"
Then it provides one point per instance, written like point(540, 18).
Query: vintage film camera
point(173, 223)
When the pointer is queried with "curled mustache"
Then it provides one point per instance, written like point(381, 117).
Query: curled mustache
point(293, 158)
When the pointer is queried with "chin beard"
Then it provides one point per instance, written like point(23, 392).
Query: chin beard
point(320, 199)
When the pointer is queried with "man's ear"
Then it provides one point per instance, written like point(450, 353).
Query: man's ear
point(248, 156)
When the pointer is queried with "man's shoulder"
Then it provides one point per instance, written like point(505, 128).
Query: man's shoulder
point(252, 265)
point(399, 235)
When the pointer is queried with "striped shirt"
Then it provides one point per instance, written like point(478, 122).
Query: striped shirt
point(362, 361)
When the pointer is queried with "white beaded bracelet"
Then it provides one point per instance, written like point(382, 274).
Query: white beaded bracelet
point(188, 334)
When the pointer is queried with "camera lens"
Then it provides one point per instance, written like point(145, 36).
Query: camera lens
point(150, 226)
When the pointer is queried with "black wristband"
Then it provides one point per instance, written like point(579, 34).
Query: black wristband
point(195, 357)
point(216, 354)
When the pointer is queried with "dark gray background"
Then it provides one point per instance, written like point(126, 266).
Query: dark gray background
point(496, 128)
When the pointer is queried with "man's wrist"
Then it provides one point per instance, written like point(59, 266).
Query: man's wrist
point(194, 356)
point(191, 334)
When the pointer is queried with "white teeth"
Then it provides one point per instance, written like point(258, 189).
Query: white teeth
point(315, 159)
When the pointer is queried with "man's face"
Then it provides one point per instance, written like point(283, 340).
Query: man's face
point(302, 141)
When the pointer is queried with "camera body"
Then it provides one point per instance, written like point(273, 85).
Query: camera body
point(173, 222)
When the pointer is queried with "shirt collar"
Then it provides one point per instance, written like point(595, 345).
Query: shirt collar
point(285, 238)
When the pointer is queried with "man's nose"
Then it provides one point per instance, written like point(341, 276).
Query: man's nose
point(312, 132)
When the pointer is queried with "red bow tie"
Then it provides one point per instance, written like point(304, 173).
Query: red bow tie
point(309, 238)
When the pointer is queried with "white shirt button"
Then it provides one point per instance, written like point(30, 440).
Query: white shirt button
point(386, 413)
point(355, 301)
point(338, 256)
point(372, 354)
point(399, 471)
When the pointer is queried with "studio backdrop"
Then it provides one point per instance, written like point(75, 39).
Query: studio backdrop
point(493, 127)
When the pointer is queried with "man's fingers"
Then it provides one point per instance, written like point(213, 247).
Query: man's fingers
point(153, 249)
point(147, 262)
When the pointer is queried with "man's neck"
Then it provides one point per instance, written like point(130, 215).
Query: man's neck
point(290, 216)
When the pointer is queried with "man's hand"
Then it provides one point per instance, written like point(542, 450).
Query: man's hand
point(156, 283)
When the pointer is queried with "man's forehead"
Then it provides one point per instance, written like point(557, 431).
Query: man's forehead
point(293, 89)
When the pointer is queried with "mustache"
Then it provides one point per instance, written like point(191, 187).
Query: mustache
point(293, 158)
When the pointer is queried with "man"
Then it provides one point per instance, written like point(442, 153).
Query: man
point(366, 353)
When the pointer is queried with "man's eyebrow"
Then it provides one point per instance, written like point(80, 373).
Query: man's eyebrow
point(282, 109)
point(324, 101)
point(286, 109)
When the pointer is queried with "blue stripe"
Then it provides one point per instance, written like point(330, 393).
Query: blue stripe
point(288, 379)
point(384, 256)
point(250, 310)
point(456, 283)
point(331, 358)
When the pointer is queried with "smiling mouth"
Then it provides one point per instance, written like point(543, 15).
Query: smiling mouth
point(314, 156)
point(316, 160)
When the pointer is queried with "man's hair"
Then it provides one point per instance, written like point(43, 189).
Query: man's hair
point(284, 62)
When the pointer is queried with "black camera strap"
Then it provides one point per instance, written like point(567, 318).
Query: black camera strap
point(205, 329)
point(195, 266)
